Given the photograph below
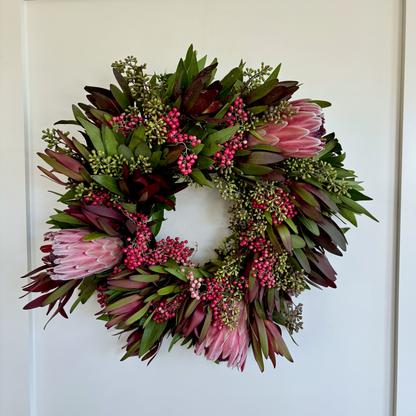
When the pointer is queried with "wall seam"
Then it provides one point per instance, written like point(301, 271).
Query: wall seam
point(399, 159)
point(28, 193)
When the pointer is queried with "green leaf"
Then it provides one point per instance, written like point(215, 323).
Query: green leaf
point(78, 114)
point(63, 217)
point(198, 177)
point(82, 149)
point(356, 207)
point(201, 63)
point(122, 302)
point(157, 216)
point(119, 96)
point(172, 264)
point(224, 135)
point(262, 335)
point(108, 182)
point(275, 73)
point(260, 91)
point(129, 207)
point(138, 315)
point(285, 236)
point(298, 242)
point(138, 136)
point(124, 85)
point(292, 225)
point(177, 274)
point(329, 146)
point(124, 151)
point(192, 306)
point(239, 153)
point(300, 255)
point(207, 324)
point(66, 122)
point(147, 335)
point(166, 290)
point(210, 148)
point(94, 134)
point(231, 78)
point(358, 196)
point(343, 173)
point(255, 134)
point(349, 216)
point(257, 351)
point(268, 217)
point(264, 158)
point(305, 195)
point(94, 236)
point(59, 292)
point(204, 162)
point(155, 158)
point(322, 104)
point(158, 269)
point(110, 142)
point(131, 350)
point(266, 147)
point(259, 109)
point(144, 150)
point(145, 278)
point(175, 339)
point(272, 238)
point(254, 169)
point(309, 224)
point(259, 309)
point(335, 233)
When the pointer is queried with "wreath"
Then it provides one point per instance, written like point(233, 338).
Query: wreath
point(149, 139)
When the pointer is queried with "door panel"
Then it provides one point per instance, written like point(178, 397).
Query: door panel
point(343, 364)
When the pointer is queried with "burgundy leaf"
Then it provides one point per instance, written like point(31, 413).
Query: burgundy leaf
point(104, 212)
point(51, 176)
point(204, 101)
point(65, 160)
point(166, 201)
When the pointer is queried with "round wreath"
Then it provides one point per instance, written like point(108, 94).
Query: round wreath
point(152, 138)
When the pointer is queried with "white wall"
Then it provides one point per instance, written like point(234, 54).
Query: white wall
point(348, 53)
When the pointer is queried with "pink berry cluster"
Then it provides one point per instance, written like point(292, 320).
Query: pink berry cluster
point(136, 251)
point(241, 284)
point(194, 285)
point(236, 113)
point(185, 163)
point(184, 138)
point(171, 248)
point(172, 127)
point(278, 203)
point(224, 157)
point(263, 269)
point(164, 310)
point(98, 198)
point(125, 123)
point(101, 296)
point(214, 295)
point(253, 244)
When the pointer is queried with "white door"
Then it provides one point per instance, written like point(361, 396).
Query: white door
point(348, 53)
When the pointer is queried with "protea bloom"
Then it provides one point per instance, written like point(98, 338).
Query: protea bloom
point(225, 344)
point(298, 136)
point(73, 258)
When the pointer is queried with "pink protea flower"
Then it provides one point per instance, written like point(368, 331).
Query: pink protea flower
point(225, 344)
point(298, 136)
point(73, 258)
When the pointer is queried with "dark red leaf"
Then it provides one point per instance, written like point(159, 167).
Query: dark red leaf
point(204, 101)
